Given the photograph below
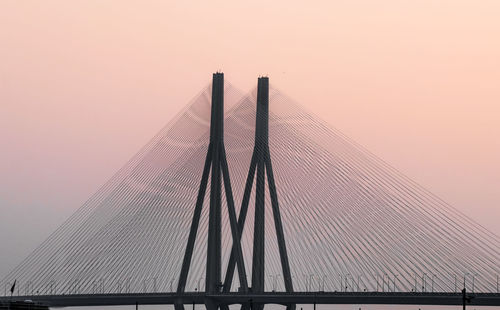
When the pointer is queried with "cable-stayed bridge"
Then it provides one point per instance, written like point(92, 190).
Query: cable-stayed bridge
point(253, 200)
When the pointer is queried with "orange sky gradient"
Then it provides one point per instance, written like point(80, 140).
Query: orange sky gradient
point(84, 84)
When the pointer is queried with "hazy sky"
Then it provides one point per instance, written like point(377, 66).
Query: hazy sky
point(84, 84)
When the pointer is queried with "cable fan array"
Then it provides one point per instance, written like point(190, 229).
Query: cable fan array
point(351, 221)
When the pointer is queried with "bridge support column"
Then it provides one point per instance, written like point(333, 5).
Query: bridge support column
point(216, 166)
point(210, 304)
point(261, 166)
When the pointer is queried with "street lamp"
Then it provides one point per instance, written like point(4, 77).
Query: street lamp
point(432, 283)
point(415, 287)
point(465, 277)
point(102, 285)
point(307, 285)
point(473, 277)
point(27, 288)
point(195, 290)
point(128, 284)
point(75, 286)
point(198, 285)
point(423, 282)
point(270, 276)
point(383, 282)
point(52, 286)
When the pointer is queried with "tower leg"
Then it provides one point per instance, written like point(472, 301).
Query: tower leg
point(178, 306)
point(278, 225)
point(210, 304)
point(194, 224)
point(213, 272)
point(241, 223)
point(258, 270)
point(214, 228)
point(258, 276)
point(233, 223)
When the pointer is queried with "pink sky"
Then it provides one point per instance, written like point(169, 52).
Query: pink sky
point(84, 84)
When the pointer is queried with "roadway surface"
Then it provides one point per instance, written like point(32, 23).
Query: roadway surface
point(386, 298)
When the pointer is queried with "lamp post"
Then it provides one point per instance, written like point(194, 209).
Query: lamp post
point(423, 282)
point(196, 291)
point(473, 277)
point(75, 286)
point(465, 278)
point(347, 281)
point(432, 281)
point(27, 288)
point(144, 285)
point(383, 282)
point(394, 282)
point(7, 284)
point(198, 284)
point(52, 284)
point(271, 277)
point(497, 284)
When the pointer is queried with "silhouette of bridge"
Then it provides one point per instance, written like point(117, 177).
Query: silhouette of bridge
point(330, 224)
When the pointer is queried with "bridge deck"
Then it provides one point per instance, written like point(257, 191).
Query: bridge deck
point(478, 299)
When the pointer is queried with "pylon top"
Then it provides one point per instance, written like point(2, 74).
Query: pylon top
point(217, 116)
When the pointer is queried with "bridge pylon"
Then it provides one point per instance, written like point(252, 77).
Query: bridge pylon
point(260, 166)
point(216, 162)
